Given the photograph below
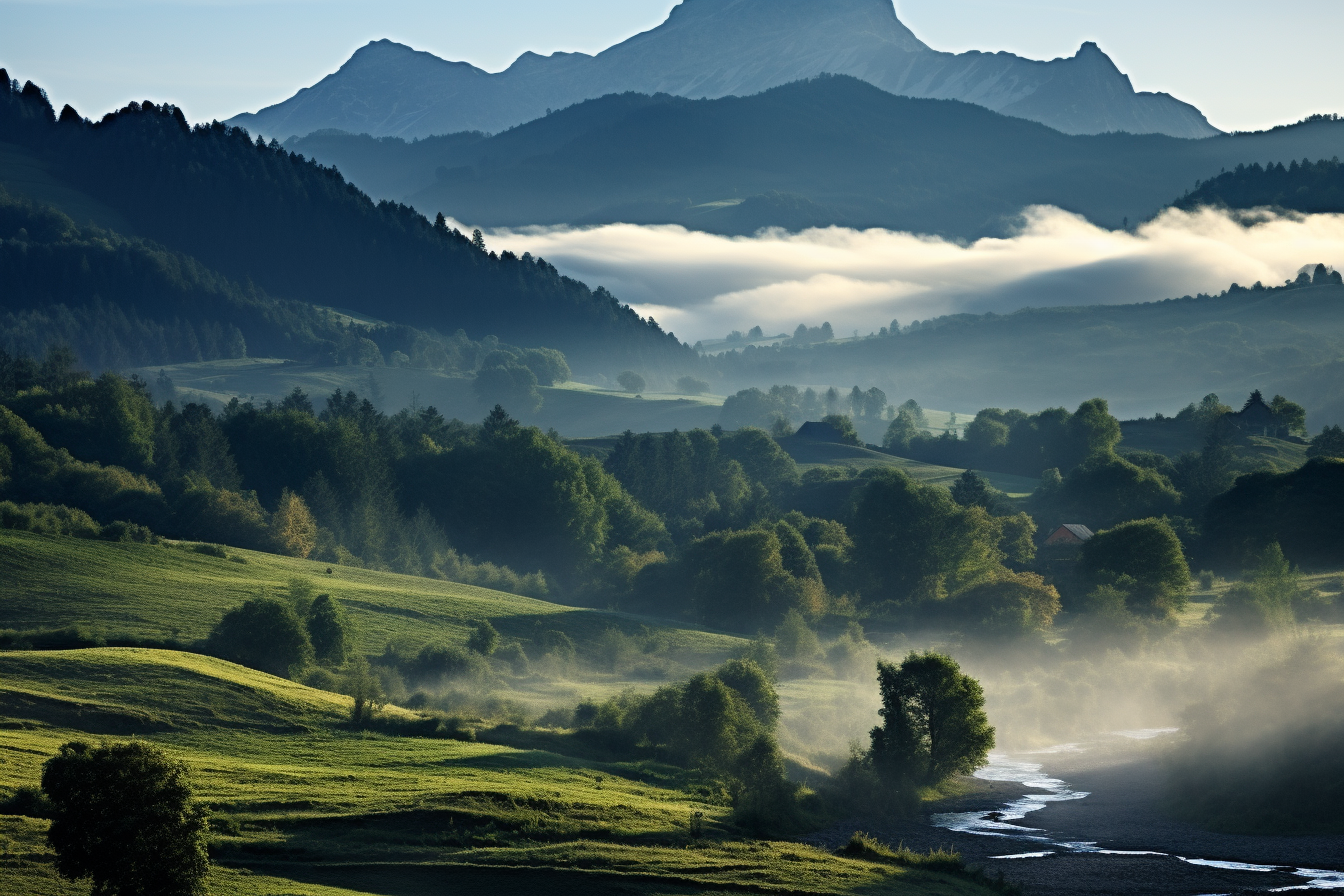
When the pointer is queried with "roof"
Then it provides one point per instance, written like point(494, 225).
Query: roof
point(1077, 529)
point(819, 432)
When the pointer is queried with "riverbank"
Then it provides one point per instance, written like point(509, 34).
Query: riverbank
point(1122, 812)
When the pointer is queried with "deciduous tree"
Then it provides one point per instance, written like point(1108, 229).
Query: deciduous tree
point(124, 818)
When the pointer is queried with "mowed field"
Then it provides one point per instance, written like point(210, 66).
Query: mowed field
point(302, 805)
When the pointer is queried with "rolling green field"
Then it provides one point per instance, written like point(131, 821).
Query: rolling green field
point(167, 591)
point(304, 806)
point(815, 454)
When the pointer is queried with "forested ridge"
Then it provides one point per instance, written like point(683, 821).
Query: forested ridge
point(1284, 338)
point(262, 215)
point(1309, 187)
point(820, 152)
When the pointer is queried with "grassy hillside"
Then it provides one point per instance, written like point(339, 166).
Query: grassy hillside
point(302, 805)
point(169, 592)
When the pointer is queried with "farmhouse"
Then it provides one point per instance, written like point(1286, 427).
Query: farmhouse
point(819, 432)
point(1069, 533)
point(1256, 416)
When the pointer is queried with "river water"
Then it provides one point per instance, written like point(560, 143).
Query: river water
point(1005, 822)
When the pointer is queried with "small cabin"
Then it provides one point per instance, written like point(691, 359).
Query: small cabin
point(819, 432)
point(1256, 416)
point(1070, 533)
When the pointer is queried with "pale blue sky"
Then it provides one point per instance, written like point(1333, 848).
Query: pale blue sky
point(1246, 63)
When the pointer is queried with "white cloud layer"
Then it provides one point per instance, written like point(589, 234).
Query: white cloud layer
point(702, 286)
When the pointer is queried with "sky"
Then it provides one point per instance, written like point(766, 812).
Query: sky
point(1247, 64)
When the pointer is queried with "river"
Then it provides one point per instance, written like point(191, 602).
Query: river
point(1029, 770)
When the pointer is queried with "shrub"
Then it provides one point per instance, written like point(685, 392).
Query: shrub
point(29, 802)
point(1011, 603)
point(48, 519)
point(689, 385)
point(436, 663)
point(631, 381)
point(483, 638)
point(132, 533)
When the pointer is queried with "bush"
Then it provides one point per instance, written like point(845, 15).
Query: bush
point(631, 381)
point(1009, 604)
point(483, 638)
point(869, 848)
point(48, 519)
point(513, 655)
point(262, 634)
point(438, 663)
point(1264, 600)
point(29, 802)
point(795, 640)
point(689, 385)
point(131, 533)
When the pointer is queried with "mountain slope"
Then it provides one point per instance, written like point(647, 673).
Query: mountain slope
point(260, 215)
point(831, 150)
point(715, 48)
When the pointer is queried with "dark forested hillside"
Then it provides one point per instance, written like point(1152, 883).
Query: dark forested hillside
point(122, 302)
point(265, 216)
point(1144, 357)
point(1306, 187)
point(831, 150)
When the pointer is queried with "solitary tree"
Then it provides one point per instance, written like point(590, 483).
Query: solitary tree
point(631, 381)
point(483, 638)
point(934, 722)
point(262, 634)
point(124, 818)
point(293, 528)
point(328, 630)
point(973, 490)
point(361, 685)
point(1143, 557)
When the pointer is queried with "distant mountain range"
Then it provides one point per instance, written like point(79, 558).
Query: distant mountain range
point(717, 48)
point(829, 150)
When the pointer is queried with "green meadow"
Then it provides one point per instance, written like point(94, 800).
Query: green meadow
point(303, 804)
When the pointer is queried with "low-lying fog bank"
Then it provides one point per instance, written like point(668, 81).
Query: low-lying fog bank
point(702, 286)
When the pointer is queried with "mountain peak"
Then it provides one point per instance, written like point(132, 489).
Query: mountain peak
point(716, 48)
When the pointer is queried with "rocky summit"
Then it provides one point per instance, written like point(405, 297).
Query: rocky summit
point(715, 48)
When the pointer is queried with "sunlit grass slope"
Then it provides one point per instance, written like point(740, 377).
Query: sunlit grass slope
point(160, 592)
point(301, 804)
